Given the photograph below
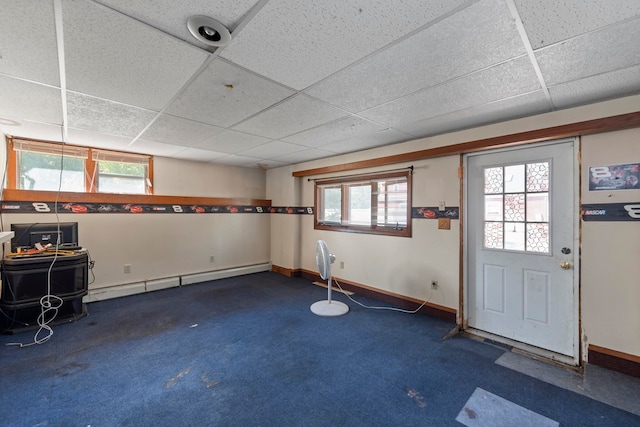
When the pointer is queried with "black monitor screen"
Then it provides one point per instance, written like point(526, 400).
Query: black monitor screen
point(27, 235)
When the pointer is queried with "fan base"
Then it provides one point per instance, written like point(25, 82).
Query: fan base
point(329, 308)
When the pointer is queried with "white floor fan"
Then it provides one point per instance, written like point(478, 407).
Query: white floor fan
point(327, 307)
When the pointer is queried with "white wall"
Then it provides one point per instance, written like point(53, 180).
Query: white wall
point(168, 245)
point(611, 251)
point(407, 265)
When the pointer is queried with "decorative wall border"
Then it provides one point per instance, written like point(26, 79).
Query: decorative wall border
point(434, 213)
point(79, 207)
point(611, 212)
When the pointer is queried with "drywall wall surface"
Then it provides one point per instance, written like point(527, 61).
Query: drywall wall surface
point(610, 287)
point(164, 245)
point(175, 177)
point(168, 245)
point(401, 265)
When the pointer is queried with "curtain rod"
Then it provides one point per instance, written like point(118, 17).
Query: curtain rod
point(363, 174)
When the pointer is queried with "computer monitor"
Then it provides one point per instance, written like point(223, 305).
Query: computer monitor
point(27, 235)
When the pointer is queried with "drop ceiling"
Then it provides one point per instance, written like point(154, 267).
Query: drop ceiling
point(302, 80)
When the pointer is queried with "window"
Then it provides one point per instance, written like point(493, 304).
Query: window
point(516, 207)
point(49, 166)
point(374, 204)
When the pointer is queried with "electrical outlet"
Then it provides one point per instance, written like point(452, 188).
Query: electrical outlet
point(434, 284)
point(127, 268)
point(342, 264)
point(212, 258)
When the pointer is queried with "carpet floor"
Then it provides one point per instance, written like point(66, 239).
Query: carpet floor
point(247, 351)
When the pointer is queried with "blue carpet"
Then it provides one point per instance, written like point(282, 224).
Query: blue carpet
point(248, 351)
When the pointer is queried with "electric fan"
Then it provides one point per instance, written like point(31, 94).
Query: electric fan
point(324, 260)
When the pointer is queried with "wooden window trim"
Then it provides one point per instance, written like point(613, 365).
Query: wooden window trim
point(589, 127)
point(90, 166)
point(372, 229)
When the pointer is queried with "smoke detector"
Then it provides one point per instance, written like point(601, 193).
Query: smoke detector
point(208, 31)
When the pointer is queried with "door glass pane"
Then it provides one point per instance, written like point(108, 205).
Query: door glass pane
point(493, 208)
point(538, 237)
point(538, 177)
point(538, 207)
point(514, 179)
point(514, 236)
point(493, 235)
point(514, 207)
point(492, 180)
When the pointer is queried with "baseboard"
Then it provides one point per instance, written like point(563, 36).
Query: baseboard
point(117, 291)
point(110, 292)
point(288, 272)
point(401, 301)
point(223, 274)
point(614, 360)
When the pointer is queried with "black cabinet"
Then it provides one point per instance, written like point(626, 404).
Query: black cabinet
point(26, 280)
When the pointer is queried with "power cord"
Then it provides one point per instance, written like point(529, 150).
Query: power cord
point(383, 307)
point(49, 304)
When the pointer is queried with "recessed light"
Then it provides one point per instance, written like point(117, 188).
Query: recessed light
point(208, 31)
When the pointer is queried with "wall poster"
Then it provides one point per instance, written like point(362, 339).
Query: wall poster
point(614, 177)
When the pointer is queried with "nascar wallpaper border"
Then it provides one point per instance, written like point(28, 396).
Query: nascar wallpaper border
point(590, 212)
point(158, 208)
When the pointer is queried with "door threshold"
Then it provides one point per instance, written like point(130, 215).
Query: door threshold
point(527, 349)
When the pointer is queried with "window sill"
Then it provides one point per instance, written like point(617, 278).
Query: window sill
point(383, 231)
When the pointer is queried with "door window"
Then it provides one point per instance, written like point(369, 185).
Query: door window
point(516, 207)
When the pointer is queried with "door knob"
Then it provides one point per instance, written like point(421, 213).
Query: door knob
point(565, 265)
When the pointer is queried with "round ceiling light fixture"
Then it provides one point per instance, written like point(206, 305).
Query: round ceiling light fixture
point(208, 31)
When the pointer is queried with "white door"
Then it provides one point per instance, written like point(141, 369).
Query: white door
point(521, 245)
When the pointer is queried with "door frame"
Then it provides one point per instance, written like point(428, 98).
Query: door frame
point(576, 360)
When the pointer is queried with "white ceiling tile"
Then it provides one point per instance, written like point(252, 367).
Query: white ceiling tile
point(492, 84)
point(28, 48)
point(307, 41)
point(115, 57)
point(290, 116)
point(99, 115)
point(350, 127)
point(549, 22)
point(507, 109)
point(208, 99)
point(171, 16)
point(198, 155)
point(305, 156)
point(232, 142)
point(263, 164)
point(376, 139)
point(19, 96)
point(271, 150)
point(235, 160)
point(177, 131)
point(27, 129)
point(606, 50)
point(97, 140)
point(603, 86)
point(154, 148)
point(485, 34)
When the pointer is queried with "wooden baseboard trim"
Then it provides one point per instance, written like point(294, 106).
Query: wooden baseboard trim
point(400, 301)
point(614, 360)
point(288, 272)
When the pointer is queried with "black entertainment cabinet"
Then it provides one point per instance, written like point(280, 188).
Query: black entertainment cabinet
point(24, 282)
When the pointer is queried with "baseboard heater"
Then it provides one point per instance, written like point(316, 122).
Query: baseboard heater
point(127, 289)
